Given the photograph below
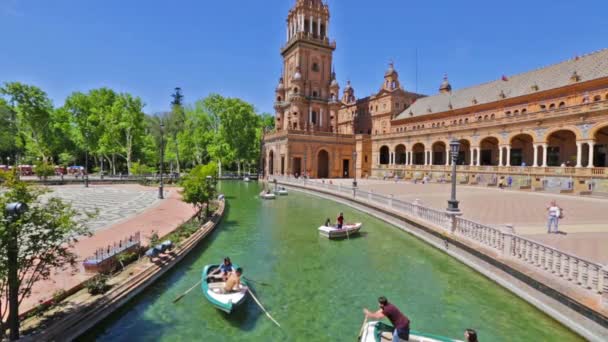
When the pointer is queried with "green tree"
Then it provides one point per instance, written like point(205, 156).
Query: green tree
point(45, 234)
point(125, 128)
point(34, 124)
point(8, 127)
point(199, 186)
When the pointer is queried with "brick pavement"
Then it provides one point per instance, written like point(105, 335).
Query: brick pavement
point(161, 216)
point(584, 228)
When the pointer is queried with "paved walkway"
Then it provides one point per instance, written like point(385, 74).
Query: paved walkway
point(584, 229)
point(160, 216)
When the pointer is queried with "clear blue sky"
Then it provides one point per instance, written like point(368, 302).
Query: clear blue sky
point(232, 47)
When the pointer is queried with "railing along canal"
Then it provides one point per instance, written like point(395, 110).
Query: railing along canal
point(588, 276)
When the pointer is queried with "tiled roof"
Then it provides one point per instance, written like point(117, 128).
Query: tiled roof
point(588, 67)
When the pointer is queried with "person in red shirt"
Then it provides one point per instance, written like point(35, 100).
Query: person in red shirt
point(340, 220)
point(400, 321)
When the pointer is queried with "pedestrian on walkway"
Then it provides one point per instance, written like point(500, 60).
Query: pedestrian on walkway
point(510, 181)
point(555, 213)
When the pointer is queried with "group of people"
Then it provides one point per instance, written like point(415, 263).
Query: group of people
point(230, 275)
point(401, 323)
point(339, 221)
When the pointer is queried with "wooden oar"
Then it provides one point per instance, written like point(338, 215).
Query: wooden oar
point(257, 282)
point(362, 329)
point(262, 307)
point(185, 293)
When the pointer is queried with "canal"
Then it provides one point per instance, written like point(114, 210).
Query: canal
point(319, 287)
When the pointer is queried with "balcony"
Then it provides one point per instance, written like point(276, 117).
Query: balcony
point(585, 172)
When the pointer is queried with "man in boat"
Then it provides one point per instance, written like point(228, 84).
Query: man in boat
point(233, 282)
point(328, 222)
point(340, 220)
point(400, 321)
point(470, 335)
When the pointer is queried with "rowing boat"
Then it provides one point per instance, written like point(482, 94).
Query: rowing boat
point(378, 332)
point(213, 289)
point(267, 195)
point(281, 191)
point(340, 233)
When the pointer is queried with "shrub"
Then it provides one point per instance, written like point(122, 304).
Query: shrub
point(98, 284)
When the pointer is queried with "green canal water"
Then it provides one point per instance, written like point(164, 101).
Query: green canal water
point(319, 287)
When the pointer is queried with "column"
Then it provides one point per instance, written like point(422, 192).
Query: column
point(392, 158)
point(472, 156)
point(591, 146)
point(448, 159)
point(508, 155)
point(431, 157)
point(500, 148)
point(319, 27)
point(579, 154)
point(321, 117)
point(544, 155)
point(311, 29)
point(478, 156)
point(535, 163)
point(327, 28)
point(310, 115)
point(287, 33)
point(426, 157)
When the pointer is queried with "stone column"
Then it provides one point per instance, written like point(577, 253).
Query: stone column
point(535, 163)
point(310, 115)
point(472, 156)
point(478, 156)
point(447, 155)
point(287, 33)
point(545, 146)
point(431, 157)
point(311, 29)
point(579, 154)
point(319, 27)
point(321, 118)
point(500, 148)
point(327, 28)
point(508, 155)
point(426, 157)
point(591, 147)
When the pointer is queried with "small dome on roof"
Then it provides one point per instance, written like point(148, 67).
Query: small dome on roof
point(445, 85)
point(391, 70)
point(348, 86)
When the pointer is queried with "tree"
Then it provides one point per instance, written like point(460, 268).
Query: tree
point(33, 117)
point(199, 186)
point(125, 127)
point(45, 234)
point(8, 127)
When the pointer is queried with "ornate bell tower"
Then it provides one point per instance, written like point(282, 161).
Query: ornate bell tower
point(305, 89)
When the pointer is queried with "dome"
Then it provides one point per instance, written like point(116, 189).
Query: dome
point(334, 83)
point(391, 70)
point(348, 87)
point(445, 85)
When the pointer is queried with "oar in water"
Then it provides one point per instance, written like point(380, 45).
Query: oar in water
point(185, 293)
point(262, 307)
point(257, 282)
point(362, 329)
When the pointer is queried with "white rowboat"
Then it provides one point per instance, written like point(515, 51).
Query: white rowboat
point(346, 231)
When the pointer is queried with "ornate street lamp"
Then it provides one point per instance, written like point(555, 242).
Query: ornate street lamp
point(13, 211)
point(355, 168)
point(162, 157)
point(453, 203)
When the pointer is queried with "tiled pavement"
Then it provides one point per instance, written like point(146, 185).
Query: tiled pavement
point(123, 211)
point(584, 229)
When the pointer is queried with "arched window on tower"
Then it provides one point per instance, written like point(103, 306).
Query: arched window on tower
point(394, 85)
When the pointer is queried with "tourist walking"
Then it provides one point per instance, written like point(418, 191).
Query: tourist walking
point(555, 213)
point(400, 322)
point(470, 335)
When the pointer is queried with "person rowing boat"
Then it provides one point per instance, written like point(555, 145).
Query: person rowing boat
point(400, 321)
point(224, 270)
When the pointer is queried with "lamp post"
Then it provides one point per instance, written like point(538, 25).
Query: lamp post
point(86, 168)
point(355, 168)
point(305, 168)
point(162, 160)
point(13, 211)
point(453, 203)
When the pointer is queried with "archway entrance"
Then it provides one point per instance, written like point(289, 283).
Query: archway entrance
point(439, 153)
point(522, 150)
point(464, 153)
point(600, 152)
point(489, 151)
point(400, 155)
point(323, 164)
point(561, 149)
point(271, 163)
point(384, 155)
point(418, 154)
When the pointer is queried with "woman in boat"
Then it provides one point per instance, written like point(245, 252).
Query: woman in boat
point(470, 335)
point(328, 222)
point(400, 321)
point(340, 220)
point(225, 269)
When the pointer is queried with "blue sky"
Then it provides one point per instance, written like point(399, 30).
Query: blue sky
point(232, 47)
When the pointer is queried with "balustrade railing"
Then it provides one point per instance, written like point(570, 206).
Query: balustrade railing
point(585, 274)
